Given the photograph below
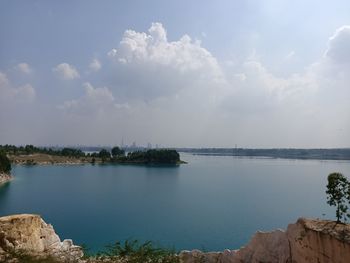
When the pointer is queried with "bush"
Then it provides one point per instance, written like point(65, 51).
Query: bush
point(134, 252)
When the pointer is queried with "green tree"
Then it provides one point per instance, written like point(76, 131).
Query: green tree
point(104, 155)
point(5, 164)
point(116, 151)
point(29, 149)
point(338, 195)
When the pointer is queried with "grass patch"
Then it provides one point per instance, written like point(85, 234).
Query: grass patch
point(132, 251)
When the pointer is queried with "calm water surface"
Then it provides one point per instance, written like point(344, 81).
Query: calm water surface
point(210, 203)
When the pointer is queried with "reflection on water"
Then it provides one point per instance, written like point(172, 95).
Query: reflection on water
point(4, 195)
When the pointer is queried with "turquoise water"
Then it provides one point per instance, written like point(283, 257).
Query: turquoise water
point(210, 203)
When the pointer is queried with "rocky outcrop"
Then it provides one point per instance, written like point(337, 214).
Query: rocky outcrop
point(319, 241)
point(29, 234)
point(4, 178)
point(306, 241)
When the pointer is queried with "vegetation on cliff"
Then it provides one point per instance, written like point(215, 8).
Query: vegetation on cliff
point(338, 195)
point(5, 164)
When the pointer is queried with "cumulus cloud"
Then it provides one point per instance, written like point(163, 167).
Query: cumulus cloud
point(152, 85)
point(11, 94)
point(331, 73)
point(339, 46)
point(66, 71)
point(313, 89)
point(256, 90)
point(150, 66)
point(94, 101)
point(24, 68)
point(95, 65)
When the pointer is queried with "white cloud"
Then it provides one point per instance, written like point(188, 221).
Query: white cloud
point(4, 82)
point(11, 94)
point(256, 90)
point(66, 71)
point(290, 55)
point(24, 68)
point(339, 46)
point(148, 66)
point(94, 101)
point(156, 85)
point(95, 65)
point(25, 92)
point(331, 73)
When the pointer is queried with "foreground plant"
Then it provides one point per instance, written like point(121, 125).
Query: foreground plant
point(132, 251)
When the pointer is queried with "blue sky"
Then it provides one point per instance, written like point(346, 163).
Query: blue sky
point(175, 73)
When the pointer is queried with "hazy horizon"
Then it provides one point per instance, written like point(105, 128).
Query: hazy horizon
point(156, 146)
point(271, 74)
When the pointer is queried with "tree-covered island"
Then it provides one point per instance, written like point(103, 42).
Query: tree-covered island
point(31, 155)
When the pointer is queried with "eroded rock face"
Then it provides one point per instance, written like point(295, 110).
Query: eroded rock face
point(270, 246)
point(4, 178)
point(319, 241)
point(30, 234)
point(307, 241)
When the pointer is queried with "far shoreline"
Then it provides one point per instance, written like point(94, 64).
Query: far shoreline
point(46, 159)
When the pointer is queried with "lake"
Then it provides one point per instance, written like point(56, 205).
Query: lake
point(211, 203)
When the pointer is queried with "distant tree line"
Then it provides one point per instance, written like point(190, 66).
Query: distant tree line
point(116, 154)
point(31, 149)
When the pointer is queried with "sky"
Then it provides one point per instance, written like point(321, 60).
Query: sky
point(245, 73)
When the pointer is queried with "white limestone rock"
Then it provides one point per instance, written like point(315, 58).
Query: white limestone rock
point(30, 234)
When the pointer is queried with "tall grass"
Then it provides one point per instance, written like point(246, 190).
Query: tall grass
point(132, 251)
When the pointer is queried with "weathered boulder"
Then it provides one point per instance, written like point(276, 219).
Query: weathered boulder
point(29, 234)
